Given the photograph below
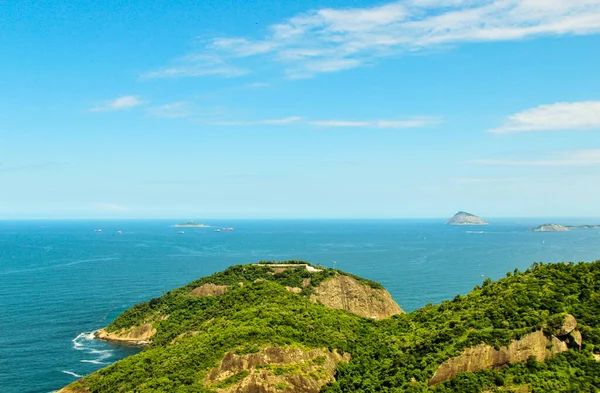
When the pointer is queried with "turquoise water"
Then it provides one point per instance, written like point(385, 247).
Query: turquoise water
point(59, 281)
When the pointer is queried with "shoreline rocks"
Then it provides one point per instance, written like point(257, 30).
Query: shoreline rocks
point(136, 335)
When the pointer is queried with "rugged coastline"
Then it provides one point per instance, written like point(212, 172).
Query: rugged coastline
point(276, 328)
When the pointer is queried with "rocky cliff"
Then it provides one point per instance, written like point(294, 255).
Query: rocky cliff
point(464, 218)
point(209, 289)
point(139, 335)
point(274, 370)
point(485, 357)
point(346, 293)
point(70, 389)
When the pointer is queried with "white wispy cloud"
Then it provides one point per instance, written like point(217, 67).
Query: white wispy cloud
point(171, 111)
point(197, 65)
point(110, 207)
point(333, 39)
point(410, 123)
point(124, 102)
point(584, 157)
point(256, 85)
point(31, 166)
point(560, 116)
point(483, 180)
point(283, 121)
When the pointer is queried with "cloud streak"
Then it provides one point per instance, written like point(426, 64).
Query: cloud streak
point(560, 116)
point(197, 65)
point(397, 124)
point(4, 168)
point(334, 39)
point(111, 207)
point(585, 157)
point(483, 180)
point(268, 122)
point(411, 123)
point(124, 102)
point(173, 110)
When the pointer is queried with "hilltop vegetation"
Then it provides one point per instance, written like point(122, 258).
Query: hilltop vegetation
point(397, 354)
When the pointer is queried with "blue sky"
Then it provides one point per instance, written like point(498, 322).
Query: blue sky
point(417, 108)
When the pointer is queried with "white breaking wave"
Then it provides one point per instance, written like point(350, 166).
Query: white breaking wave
point(72, 373)
point(106, 353)
point(85, 336)
point(91, 361)
point(85, 342)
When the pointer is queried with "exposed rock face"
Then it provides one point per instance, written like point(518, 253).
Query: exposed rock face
point(293, 289)
point(209, 290)
point(550, 228)
point(568, 332)
point(345, 293)
point(275, 370)
point(139, 335)
point(576, 337)
point(569, 324)
point(68, 389)
point(464, 218)
point(483, 357)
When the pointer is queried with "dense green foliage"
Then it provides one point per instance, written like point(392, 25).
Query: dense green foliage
point(399, 354)
point(184, 310)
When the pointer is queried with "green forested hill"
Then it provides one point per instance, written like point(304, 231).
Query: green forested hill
point(397, 354)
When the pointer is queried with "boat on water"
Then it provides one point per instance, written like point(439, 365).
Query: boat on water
point(97, 230)
point(228, 229)
point(119, 232)
point(181, 232)
point(217, 230)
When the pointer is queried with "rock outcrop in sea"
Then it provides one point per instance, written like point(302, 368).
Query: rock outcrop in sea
point(550, 228)
point(561, 228)
point(464, 218)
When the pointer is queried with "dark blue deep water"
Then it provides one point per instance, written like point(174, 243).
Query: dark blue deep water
point(59, 280)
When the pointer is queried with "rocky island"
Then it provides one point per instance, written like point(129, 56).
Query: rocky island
point(550, 228)
point(464, 218)
point(561, 228)
point(295, 327)
point(191, 224)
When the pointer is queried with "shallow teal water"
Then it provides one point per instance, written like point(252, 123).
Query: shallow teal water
point(59, 281)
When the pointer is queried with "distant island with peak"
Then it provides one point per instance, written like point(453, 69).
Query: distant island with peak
point(191, 224)
point(562, 228)
point(464, 218)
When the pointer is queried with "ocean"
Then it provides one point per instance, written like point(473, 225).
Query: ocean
point(60, 280)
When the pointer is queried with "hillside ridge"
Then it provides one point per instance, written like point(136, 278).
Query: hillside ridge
point(537, 330)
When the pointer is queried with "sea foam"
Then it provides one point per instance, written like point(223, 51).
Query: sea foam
point(72, 373)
